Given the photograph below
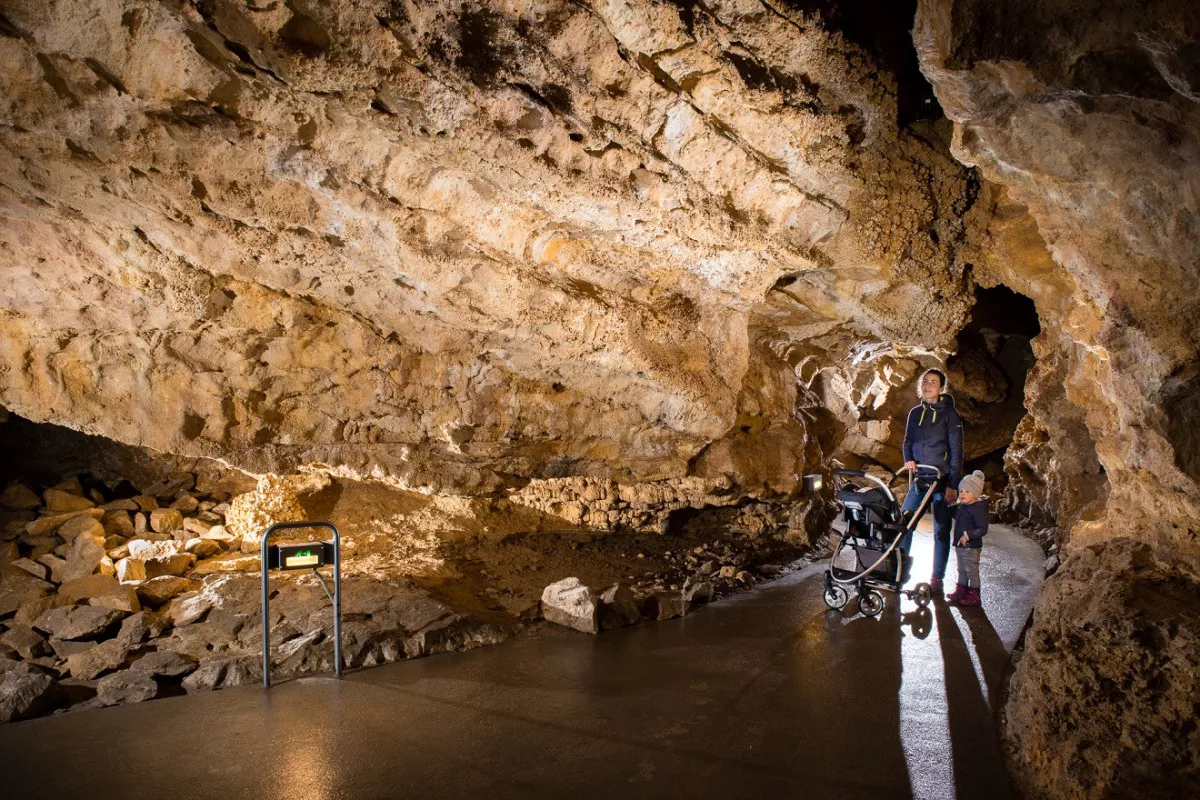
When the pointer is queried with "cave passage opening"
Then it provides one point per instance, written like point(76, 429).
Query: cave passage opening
point(993, 359)
point(884, 29)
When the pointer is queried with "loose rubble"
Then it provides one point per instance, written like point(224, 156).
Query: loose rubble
point(106, 599)
point(117, 597)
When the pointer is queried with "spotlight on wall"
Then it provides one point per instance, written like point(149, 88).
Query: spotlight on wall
point(813, 483)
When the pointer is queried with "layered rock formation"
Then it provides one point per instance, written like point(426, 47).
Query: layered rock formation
point(451, 243)
point(1089, 117)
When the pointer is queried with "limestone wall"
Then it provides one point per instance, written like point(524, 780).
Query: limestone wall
point(1087, 114)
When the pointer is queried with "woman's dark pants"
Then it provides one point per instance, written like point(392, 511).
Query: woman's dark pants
point(943, 522)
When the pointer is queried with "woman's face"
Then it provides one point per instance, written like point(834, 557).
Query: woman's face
point(931, 388)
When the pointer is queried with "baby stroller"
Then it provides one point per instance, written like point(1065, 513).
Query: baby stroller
point(868, 556)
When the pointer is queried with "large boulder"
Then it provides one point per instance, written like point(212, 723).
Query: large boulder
point(85, 557)
point(60, 502)
point(27, 642)
point(34, 568)
point(145, 549)
point(165, 663)
point(78, 622)
point(101, 590)
point(19, 496)
point(233, 593)
point(166, 520)
point(162, 558)
point(203, 548)
point(131, 570)
point(273, 500)
point(44, 526)
point(664, 605)
point(221, 672)
point(141, 626)
point(169, 565)
point(54, 566)
point(189, 608)
point(619, 607)
point(77, 526)
point(33, 607)
point(127, 686)
point(116, 523)
point(568, 602)
point(97, 660)
point(25, 691)
point(17, 586)
point(156, 591)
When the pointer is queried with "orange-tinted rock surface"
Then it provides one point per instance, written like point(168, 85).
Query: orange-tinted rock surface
point(450, 243)
point(1087, 114)
point(680, 252)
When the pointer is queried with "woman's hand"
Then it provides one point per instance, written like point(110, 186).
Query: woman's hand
point(951, 495)
point(911, 466)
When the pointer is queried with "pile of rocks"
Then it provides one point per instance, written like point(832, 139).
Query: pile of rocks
point(722, 565)
point(702, 574)
point(107, 600)
point(120, 546)
point(604, 504)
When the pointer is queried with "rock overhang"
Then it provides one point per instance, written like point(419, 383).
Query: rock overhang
point(496, 238)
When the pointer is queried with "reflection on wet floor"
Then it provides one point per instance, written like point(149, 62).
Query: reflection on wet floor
point(924, 727)
point(950, 677)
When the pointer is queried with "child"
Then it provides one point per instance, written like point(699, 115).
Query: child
point(970, 526)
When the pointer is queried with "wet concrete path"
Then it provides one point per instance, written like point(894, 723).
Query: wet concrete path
point(767, 694)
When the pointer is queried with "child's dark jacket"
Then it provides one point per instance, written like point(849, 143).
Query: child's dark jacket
point(973, 521)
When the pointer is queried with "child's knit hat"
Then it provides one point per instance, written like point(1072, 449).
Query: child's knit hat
point(972, 483)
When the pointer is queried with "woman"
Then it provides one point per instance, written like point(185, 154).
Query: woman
point(934, 436)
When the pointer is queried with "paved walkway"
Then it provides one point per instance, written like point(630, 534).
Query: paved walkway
point(766, 694)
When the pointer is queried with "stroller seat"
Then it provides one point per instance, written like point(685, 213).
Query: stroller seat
point(868, 505)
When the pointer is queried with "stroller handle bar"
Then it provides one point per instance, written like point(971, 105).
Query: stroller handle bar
point(936, 470)
point(858, 473)
point(851, 473)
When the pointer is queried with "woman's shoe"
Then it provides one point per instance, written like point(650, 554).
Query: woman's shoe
point(936, 587)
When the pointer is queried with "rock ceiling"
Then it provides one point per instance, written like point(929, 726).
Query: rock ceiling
point(448, 241)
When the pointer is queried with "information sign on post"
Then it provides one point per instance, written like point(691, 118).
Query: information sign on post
point(308, 555)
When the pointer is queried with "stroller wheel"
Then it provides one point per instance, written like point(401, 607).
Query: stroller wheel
point(922, 594)
point(836, 595)
point(871, 603)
